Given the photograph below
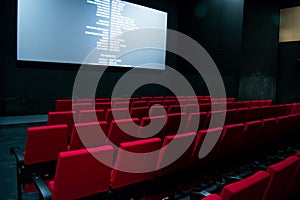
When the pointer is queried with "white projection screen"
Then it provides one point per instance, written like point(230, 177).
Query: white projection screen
point(66, 31)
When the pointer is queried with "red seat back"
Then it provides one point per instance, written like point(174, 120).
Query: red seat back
point(89, 116)
point(231, 139)
point(169, 151)
point(44, 143)
point(281, 176)
point(251, 134)
point(63, 105)
point(133, 166)
point(144, 133)
point(66, 117)
point(119, 113)
point(249, 188)
point(117, 136)
point(88, 135)
point(80, 174)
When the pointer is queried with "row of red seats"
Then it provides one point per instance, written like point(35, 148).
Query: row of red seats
point(188, 118)
point(170, 106)
point(95, 177)
point(66, 104)
point(234, 138)
point(54, 138)
point(205, 106)
point(278, 182)
point(37, 138)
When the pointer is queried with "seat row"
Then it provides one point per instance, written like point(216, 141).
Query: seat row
point(143, 103)
point(44, 144)
point(98, 177)
point(278, 182)
point(66, 104)
point(55, 137)
point(190, 120)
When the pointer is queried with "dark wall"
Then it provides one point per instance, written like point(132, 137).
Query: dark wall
point(288, 82)
point(259, 50)
point(217, 26)
point(41, 84)
point(288, 72)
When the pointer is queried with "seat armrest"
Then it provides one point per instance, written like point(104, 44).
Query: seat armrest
point(43, 189)
point(16, 151)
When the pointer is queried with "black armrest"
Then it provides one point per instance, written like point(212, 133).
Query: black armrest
point(42, 188)
point(231, 178)
point(18, 154)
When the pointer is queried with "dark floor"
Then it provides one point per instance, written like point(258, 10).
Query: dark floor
point(13, 133)
point(11, 137)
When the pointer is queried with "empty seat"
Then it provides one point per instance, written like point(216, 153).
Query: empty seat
point(197, 145)
point(119, 113)
point(210, 133)
point(169, 102)
point(231, 139)
point(254, 114)
point(230, 99)
point(268, 102)
point(63, 105)
point(205, 107)
point(230, 105)
point(255, 103)
point(251, 134)
point(175, 123)
point(84, 100)
point(146, 98)
point(218, 106)
point(146, 133)
point(157, 110)
point(158, 97)
point(170, 97)
point(282, 126)
point(98, 100)
point(205, 101)
point(135, 162)
point(66, 117)
point(198, 121)
point(139, 112)
point(121, 104)
point(91, 116)
point(153, 102)
point(175, 108)
point(88, 135)
point(281, 176)
point(176, 153)
point(191, 108)
point(117, 136)
point(230, 116)
point(241, 104)
point(136, 104)
point(241, 115)
point(294, 123)
point(216, 121)
point(81, 106)
point(103, 106)
point(249, 188)
point(295, 182)
point(44, 143)
point(80, 174)
point(268, 131)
